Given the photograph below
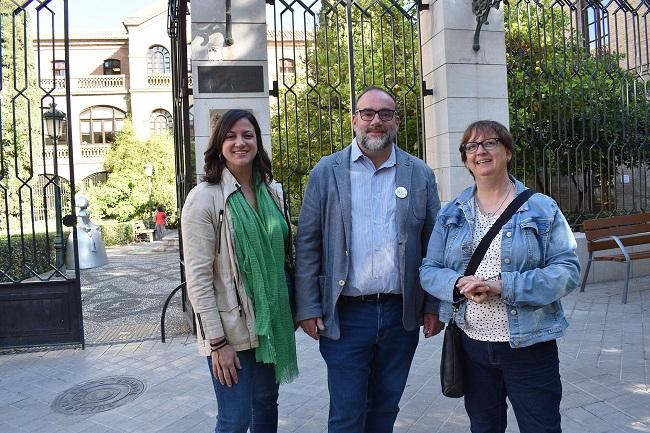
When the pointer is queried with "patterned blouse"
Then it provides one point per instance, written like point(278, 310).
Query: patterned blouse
point(487, 321)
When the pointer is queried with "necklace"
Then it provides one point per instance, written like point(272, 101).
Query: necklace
point(491, 214)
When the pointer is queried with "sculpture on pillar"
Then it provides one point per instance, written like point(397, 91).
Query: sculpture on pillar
point(91, 248)
point(481, 9)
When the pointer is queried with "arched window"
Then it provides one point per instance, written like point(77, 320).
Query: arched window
point(100, 124)
point(158, 60)
point(45, 189)
point(160, 122)
point(98, 178)
point(112, 67)
point(286, 66)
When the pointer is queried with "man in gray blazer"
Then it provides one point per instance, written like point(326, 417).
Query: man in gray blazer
point(364, 227)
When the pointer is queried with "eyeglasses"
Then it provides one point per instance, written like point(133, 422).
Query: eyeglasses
point(367, 114)
point(488, 144)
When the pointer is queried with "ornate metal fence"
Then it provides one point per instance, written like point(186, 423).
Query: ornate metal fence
point(579, 93)
point(325, 52)
point(40, 300)
point(177, 18)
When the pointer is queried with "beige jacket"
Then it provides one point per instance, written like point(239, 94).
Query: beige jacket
point(214, 284)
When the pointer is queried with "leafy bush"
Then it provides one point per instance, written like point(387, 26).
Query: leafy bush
point(125, 195)
point(23, 257)
point(116, 233)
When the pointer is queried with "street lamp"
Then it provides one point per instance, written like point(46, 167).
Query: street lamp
point(148, 171)
point(53, 124)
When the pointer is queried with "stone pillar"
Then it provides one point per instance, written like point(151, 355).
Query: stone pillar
point(228, 76)
point(467, 85)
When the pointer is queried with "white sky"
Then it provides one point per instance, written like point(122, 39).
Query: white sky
point(104, 14)
point(100, 15)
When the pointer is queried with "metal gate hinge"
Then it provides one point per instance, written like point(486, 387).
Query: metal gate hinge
point(422, 6)
point(425, 90)
point(274, 90)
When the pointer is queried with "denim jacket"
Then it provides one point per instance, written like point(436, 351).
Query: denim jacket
point(538, 264)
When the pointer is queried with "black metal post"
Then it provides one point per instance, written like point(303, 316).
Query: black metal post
point(150, 208)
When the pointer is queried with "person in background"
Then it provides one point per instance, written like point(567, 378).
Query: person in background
point(510, 312)
point(160, 219)
point(234, 240)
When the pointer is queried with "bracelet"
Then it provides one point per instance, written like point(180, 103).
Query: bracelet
point(220, 345)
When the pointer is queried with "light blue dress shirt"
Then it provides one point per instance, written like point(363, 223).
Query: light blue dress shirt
point(374, 255)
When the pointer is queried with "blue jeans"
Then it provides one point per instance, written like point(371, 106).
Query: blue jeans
point(368, 366)
point(253, 402)
point(528, 376)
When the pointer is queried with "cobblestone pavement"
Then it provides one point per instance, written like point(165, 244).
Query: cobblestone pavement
point(604, 367)
point(123, 299)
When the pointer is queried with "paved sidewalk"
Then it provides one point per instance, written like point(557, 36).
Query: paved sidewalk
point(604, 366)
point(123, 299)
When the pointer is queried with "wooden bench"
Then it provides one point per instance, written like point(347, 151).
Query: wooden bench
point(141, 232)
point(617, 232)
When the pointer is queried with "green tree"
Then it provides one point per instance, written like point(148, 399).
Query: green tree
point(125, 195)
point(311, 116)
point(575, 112)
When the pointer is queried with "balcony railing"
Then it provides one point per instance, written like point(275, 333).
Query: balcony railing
point(94, 151)
point(87, 84)
point(88, 151)
point(61, 152)
point(159, 80)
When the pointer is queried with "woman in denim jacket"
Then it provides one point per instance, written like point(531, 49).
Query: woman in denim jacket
point(510, 311)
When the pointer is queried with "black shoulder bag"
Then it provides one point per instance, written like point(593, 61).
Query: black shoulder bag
point(452, 364)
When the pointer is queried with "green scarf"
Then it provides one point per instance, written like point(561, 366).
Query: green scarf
point(259, 244)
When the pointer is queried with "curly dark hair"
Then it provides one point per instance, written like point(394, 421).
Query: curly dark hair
point(487, 127)
point(214, 160)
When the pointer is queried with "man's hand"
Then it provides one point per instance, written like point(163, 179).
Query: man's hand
point(312, 326)
point(432, 325)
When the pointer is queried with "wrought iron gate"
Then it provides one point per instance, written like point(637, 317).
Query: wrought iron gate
point(40, 301)
point(579, 93)
point(178, 14)
point(326, 52)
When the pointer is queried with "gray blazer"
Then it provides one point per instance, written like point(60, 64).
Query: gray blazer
point(323, 238)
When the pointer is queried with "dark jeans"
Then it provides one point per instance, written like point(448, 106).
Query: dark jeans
point(528, 376)
point(253, 402)
point(368, 366)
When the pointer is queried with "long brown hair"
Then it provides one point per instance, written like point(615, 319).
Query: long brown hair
point(214, 160)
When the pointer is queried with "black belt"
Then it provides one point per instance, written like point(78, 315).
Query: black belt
point(375, 297)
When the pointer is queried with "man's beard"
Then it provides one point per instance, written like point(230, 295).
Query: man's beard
point(374, 143)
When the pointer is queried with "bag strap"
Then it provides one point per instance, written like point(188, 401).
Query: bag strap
point(483, 246)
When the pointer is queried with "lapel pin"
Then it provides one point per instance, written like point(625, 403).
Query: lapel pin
point(401, 192)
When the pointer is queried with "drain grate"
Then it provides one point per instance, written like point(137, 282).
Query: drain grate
point(98, 395)
point(119, 334)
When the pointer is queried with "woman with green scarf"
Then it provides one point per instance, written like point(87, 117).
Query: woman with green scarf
point(235, 235)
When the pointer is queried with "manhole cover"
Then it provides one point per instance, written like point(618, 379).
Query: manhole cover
point(98, 395)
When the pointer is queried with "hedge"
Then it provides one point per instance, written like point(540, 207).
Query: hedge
point(116, 233)
point(29, 260)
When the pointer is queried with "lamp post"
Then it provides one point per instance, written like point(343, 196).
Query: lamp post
point(53, 123)
point(148, 171)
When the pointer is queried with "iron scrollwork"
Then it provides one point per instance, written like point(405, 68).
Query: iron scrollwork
point(481, 9)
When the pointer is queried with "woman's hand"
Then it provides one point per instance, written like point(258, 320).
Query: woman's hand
point(225, 364)
point(477, 289)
